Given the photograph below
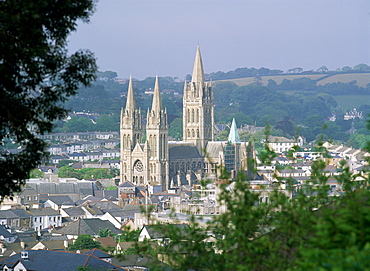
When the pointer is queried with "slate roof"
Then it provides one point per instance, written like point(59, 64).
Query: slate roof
point(108, 194)
point(64, 188)
point(127, 184)
point(20, 213)
point(7, 214)
point(104, 206)
point(46, 260)
point(89, 226)
point(60, 200)
point(98, 253)
point(4, 232)
point(74, 211)
point(158, 231)
point(182, 151)
point(133, 260)
point(42, 212)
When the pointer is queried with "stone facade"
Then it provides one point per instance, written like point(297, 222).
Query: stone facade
point(158, 161)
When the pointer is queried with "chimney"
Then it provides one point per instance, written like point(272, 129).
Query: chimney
point(23, 244)
point(65, 243)
point(2, 248)
point(24, 255)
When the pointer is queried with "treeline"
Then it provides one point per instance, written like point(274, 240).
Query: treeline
point(307, 84)
point(288, 106)
point(243, 72)
point(253, 72)
point(307, 112)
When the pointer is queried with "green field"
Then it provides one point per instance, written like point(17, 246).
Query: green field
point(362, 79)
point(352, 101)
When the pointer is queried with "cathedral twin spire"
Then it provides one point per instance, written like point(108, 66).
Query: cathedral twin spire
point(157, 101)
point(130, 103)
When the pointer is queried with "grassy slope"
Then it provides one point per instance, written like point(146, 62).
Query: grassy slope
point(362, 79)
point(344, 101)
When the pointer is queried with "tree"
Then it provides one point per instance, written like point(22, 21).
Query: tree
point(36, 173)
point(310, 231)
point(111, 187)
point(361, 67)
point(322, 69)
point(76, 124)
point(84, 241)
point(36, 77)
point(69, 172)
point(175, 129)
point(104, 233)
point(106, 123)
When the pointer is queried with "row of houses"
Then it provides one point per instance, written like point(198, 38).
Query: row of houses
point(68, 148)
point(97, 155)
point(78, 136)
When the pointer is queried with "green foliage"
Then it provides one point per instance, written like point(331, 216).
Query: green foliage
point(106, 123)
point(37, 76)
point(299, 228)
point(85, 173)
point(84, 241)
point(129, 235)
point(76, 124)
point(175, 129)
point(104, 232)
point(36, 173)
point(63, 163)
point(111, 187)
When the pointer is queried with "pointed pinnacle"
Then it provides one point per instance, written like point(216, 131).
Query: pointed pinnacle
point(157, 102)
point(198, 72)
point(233, 135)
point(130, 103)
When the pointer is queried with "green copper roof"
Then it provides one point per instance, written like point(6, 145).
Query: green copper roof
point(233, 135)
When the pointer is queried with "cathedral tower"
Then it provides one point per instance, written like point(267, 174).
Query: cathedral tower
point(157, 140)
point(198, 107)
point(130, 133)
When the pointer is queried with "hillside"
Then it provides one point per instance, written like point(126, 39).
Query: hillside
point(362, 78)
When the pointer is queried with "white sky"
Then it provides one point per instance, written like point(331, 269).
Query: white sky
point(146, 38)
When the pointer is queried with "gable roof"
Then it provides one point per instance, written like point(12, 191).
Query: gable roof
point(98, 253)
point(60, 200)
point(159, 231)
point(183, 151)
point(74, 211)
point(4, 232)
point(89, 226)
point(45, 260)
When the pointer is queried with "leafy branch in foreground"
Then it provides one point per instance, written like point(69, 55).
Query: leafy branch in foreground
point(301, 227)
point(36, 77)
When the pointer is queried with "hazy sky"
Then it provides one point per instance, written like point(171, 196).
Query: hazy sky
point(145, 38)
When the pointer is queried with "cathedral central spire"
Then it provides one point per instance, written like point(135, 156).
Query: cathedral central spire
point(198, 72)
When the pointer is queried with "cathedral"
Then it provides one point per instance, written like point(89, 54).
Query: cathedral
point(170, 164)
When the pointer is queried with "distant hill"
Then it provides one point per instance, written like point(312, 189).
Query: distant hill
point(362, 78)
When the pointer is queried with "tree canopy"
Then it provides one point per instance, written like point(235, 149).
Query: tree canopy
point(37, 75)
point(299, 228)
